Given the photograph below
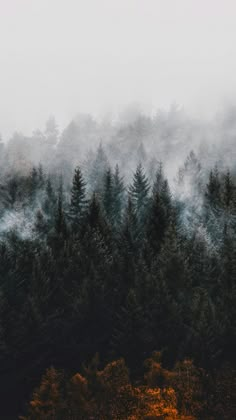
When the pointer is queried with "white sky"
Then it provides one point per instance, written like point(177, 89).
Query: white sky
point(66, 56)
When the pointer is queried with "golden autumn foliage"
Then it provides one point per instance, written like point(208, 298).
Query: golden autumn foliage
point(48, 402)
point(109, 394)
point(187, 380)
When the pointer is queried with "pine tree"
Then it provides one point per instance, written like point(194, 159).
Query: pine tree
point(130, 227)
point(41, 224)
point(99, 167)
point(41, 176)
point(49, 204)
point(157, 222)
point(139, 193)
point(118, 196)
point(78, 198)
point(172, 263)
point(33, 184)
point(128, 245)
point(164, 315)
point(167, 200)
point(228, 191)
point(107, 196)
point(68, 148)
point(60, 221)
point(160, 213)
point(129, 337)
point(213, 188)
point(228, 259)
point(205, 331)
point(191, 175)
point(159, 179)
point(94, 219)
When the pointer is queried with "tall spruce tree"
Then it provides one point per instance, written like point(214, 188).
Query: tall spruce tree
point(130, 225)
point(213, 188)
point(107, 196)
point(78, 198)
point(94, 217)
point(50, 200)
point(128, 245)
point(157, 223)
point(60, 220)
point(228, 191)
point(159, 179)
point(139, 193)
point(99, 167)
point(172, 263)
point(118, 196)
point(160, 212)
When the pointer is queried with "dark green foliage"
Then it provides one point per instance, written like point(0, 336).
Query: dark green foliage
point(98, 169)
point(78, 198)
point(213, 188)
point(130, 335)
point(107, 196)
point(114, 273)
point(49, 203)
point(139, 193)
point(94, 217)
point(118, 197)
point(60, 221)
point(228, 190)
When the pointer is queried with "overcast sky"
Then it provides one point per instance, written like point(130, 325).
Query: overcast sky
point(66, 56)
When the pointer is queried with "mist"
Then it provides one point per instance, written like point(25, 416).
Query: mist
point(67, 57)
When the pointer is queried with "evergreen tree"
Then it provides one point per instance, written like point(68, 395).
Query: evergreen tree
point(118, 196)
point(107, 198)
point(159, 179)
point(228, 191)
point(160, 213)
point(40, 225)
point(99, 167)
point(41, 176)
point(213, 188)
point(129, 337)
point(127, 247)
point(60, 220)
point(139, 193)
point(172, 264)
point(33, 184)
point(190, 179)
point(95, 220)
point(157, 223)
point(50, 201)
point(130, 226)
point(78, 198)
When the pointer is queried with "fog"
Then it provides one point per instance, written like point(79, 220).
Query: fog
point(64, 57)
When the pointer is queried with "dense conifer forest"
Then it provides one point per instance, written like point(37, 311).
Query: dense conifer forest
point(117, 271)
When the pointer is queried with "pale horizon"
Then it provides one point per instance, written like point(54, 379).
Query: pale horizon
point(66, 57)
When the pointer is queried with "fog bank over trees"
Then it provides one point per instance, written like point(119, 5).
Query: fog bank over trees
point(133, 136)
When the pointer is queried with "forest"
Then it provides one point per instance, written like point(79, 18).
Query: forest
point(118, 269)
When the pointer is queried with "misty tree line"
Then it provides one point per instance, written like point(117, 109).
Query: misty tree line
point(130, 138)
point(117, 268)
